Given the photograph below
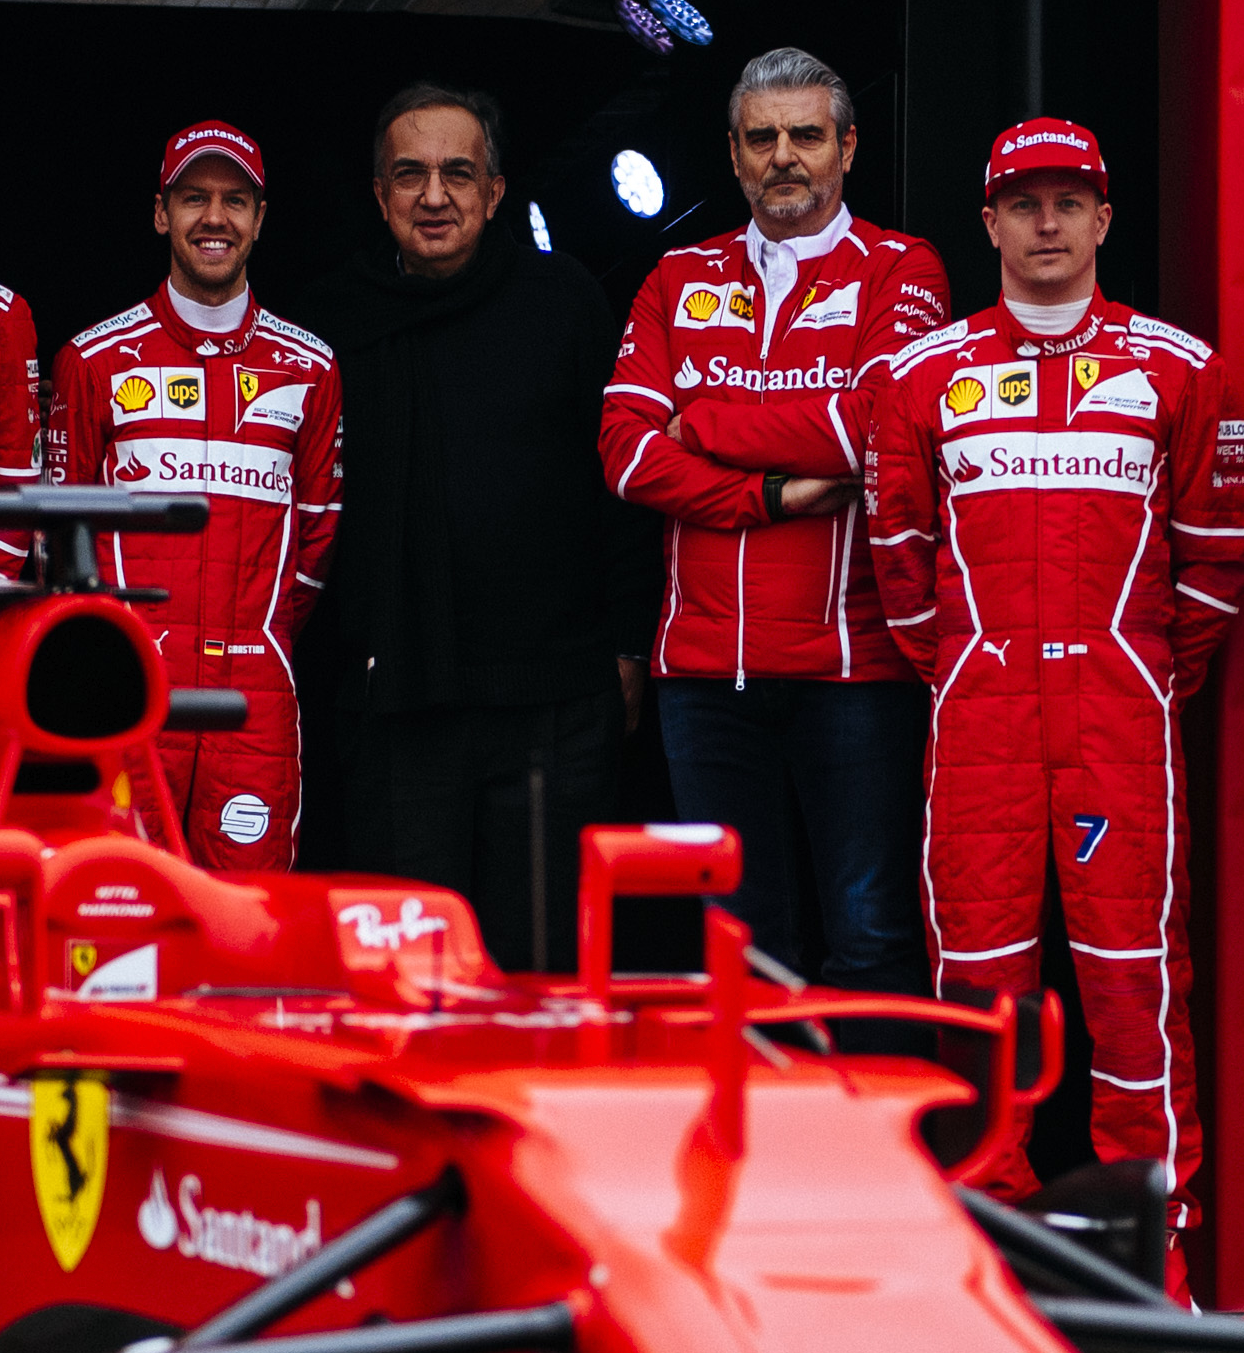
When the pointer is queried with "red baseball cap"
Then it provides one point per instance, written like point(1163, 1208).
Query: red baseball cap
point(210, 138)
point(1044, 143)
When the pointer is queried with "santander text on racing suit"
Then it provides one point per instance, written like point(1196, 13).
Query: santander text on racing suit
point(252, 419)
point(1058, 530)
point(20, 438)
point(779, 670)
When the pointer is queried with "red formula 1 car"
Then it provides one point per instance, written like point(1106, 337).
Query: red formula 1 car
point(311, 1108)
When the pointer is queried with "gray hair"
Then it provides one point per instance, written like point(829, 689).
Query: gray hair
point(482, 107)
point(792, 68)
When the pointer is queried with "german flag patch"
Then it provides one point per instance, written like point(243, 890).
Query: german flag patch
point(213, 648)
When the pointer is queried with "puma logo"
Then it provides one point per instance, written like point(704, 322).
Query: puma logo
point(965, 354)
point(160, 641)
point(136, 351)
point(717, 263)
point(1000, 653)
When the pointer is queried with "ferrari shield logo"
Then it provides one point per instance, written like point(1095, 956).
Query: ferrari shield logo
point(69, 1159)
point(84, 956)
point(248, 384)
point(1087, 371)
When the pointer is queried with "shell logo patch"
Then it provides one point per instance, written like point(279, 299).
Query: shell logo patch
point(700, 305)
point(703, 305)
point(134, 394)
point(69, 1161)
point(1087, 371)
point(964, 395)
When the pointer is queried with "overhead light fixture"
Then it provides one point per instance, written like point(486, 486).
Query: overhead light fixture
point(684, 21)
point(644, 26)
point(637, 183)
point(539, 228)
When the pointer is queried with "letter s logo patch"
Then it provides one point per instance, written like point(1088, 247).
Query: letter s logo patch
point(245, 819)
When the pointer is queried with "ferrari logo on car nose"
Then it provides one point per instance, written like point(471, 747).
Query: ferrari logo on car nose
point(69, 1159)
point(1087, 371)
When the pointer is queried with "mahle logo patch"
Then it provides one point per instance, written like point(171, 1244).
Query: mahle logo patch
point(69, 1161)
point(1014, 387)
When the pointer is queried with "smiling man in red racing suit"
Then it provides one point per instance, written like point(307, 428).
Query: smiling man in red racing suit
point(20, 437)
point(1058, 529)
point(199, 390)
point(739, 407)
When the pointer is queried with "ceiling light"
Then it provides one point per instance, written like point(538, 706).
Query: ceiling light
point(539, 229)
point(637, 183)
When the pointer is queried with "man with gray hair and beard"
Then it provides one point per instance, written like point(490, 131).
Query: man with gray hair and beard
point(740, 408)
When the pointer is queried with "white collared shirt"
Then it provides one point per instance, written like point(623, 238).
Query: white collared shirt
point(777, 261)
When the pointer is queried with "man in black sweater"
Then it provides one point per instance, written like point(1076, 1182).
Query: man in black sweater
point(486, 580)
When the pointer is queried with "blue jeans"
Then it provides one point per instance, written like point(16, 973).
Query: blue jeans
point(830, 767)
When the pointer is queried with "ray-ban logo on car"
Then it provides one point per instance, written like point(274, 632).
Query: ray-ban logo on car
point(372, 932)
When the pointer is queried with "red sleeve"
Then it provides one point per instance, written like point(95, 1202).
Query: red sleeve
point(20, 438)
point(77, 430)
point(818, 436)
point(317, 486)
point(1206, 458)
point(901, 497)
point(642, 464)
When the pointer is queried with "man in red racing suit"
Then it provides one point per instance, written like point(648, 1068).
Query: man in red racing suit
point(739, 408)
point(200, 390)
point(1058, 532)
point(20, 437)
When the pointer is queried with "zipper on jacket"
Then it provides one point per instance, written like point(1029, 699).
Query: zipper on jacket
point(740, 678)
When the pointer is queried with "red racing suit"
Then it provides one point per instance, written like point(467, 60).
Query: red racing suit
point(253, 420)
point(20, 437)
point(1058, 530)
point(787, 392)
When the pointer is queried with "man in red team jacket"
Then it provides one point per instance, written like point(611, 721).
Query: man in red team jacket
point(739, 407)
point(1058, 529)
point(201, 390)
point(20, 437)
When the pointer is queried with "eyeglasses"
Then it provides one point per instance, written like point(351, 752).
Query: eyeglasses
point(414, 178)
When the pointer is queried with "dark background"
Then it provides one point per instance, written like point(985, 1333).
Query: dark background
point(97, 89)
point(91, 92)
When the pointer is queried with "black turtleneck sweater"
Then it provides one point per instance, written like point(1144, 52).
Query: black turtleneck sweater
point(481, 560)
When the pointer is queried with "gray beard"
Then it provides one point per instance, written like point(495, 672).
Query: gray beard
point(791, 209)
